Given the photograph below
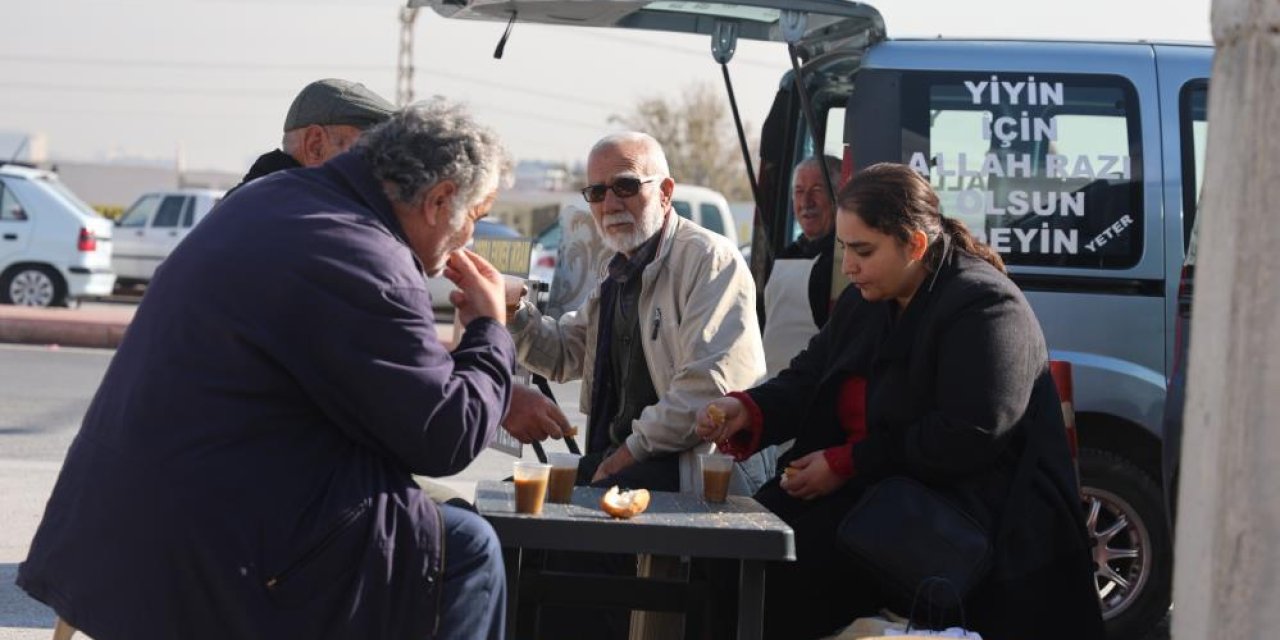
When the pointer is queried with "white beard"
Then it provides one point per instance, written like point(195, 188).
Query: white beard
point(643, 230)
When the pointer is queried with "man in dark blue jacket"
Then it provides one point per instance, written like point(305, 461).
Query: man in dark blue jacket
point(244, 469)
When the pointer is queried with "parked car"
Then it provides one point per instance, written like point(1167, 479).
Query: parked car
point(152, 226)
point(440, 286)
point(54, 248)
point(1071, 159)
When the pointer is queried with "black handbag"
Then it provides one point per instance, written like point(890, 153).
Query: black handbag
point(910, 535)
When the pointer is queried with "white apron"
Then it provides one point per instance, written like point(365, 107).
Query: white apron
point(788, 320)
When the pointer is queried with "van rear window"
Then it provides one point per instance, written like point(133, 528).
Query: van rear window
point(1046, 168)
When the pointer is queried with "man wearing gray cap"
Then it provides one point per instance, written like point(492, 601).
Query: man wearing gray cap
point(325, 119)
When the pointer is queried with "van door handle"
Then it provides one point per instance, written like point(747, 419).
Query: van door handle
point(173, 234)
point(138, 233)
point(10, 236)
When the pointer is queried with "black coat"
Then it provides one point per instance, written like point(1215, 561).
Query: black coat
point(958, 390)
point(244, 471)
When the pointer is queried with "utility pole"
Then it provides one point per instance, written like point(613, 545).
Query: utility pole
point(404, 64)
point(1227, 559)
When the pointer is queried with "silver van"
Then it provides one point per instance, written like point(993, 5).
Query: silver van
point(1080, 162)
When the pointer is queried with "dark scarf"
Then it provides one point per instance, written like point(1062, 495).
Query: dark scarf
point(604, 398)
point(804, 248)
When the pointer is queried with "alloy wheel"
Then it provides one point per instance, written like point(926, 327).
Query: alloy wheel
point(1121, 550)
point(32, 288)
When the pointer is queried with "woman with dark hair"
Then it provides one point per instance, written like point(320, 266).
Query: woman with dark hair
point(932, 366)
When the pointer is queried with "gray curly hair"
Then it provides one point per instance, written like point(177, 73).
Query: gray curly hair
point(431, 141)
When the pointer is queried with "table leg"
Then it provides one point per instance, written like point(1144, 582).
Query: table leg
point(511, 562)
point(751, 600)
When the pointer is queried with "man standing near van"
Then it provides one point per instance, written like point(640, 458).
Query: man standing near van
point(671, 325)
point(798, 291)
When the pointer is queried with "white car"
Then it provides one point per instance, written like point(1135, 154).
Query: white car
point(54, 248)
point(150, 229)
point(542, 258)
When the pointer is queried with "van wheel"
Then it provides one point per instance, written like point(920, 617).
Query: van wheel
point(1132, 553)
point(33, 286)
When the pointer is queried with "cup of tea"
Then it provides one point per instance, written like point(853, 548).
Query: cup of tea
point(564, 473)
point(717, 469)
point(514, 289)
point(531, 485)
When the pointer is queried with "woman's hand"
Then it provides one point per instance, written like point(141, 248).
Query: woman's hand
point(810, 477)
point(721, 418)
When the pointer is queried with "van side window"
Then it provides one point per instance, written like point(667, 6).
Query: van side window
point(710, 215)
point(140, 213)
point(1046, 168)
point(10, 209)
point(682, 209)
point(1193, 121)
point(170, 212)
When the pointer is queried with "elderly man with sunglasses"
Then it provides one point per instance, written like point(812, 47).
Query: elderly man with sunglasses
point(671, 326)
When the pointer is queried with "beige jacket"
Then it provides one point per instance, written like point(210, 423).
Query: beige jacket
point(697, 297)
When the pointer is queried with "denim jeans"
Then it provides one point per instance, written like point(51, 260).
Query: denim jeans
point(474, 602)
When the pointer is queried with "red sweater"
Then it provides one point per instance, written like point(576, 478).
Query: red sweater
point(851, 407)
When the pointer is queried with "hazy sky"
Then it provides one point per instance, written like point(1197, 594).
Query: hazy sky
point(145, 78)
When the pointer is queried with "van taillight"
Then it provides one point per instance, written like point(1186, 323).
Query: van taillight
point(88, 241)
point(1060, 370)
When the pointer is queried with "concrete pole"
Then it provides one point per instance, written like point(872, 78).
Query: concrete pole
point(1227, 572)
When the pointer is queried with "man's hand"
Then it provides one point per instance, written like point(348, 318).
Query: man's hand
point(810, 477)
point(533, 417)
point(480, 291)
point(621, 459)
point(720, 419)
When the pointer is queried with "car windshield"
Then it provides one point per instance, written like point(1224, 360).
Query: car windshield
point(550, 237)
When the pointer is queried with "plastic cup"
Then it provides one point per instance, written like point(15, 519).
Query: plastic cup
point(514, 289)
point(531, 485)
point(717, 469)
point(564, 474)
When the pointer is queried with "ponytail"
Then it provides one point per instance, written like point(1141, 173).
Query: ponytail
point(965, 241)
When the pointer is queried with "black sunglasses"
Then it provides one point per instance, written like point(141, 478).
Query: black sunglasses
point(623, 187)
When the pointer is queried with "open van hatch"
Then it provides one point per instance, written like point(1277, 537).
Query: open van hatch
point(814, 25)
point(826, 35)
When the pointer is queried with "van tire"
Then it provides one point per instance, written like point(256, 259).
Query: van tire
point(35, 274)
point(1114, 488)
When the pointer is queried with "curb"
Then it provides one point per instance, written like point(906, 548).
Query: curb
point(60, 327)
